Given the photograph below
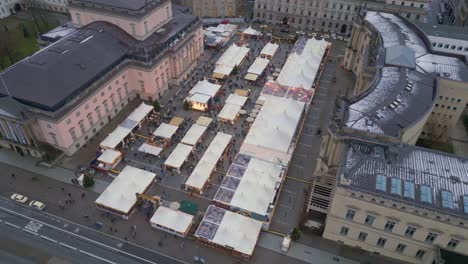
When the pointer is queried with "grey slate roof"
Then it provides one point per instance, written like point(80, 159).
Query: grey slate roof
point(401, 93)
point(51, 78)
point(133, 5)
point(362, 163)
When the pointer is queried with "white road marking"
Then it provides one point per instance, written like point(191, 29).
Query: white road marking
point(30, 232)
point(67, 246)
point(297, 166)
point(91, 240)
point(49, 239)
point(97, 257)
point(12, 225)
point(310, 146)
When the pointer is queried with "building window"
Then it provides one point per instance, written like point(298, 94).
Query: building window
point(78, 114)
point(350, 214)
point(369, 220)
point(98, 112)
point(90, 120)
point(381, 242)
point(73, 133)
point(389, 226)
point(430, 238)
point(344, 231)
point(54, 138)
point(400, 248)
point(410, 231)
point(453, 243)
point(420, 254)
point(68, 121)
point(146, 27)
point(78, 18)
point(362, 236)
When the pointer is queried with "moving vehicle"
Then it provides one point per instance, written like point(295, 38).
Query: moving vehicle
point(37, 205)
point(19, 198)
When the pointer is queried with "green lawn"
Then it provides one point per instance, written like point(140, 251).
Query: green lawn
point(23, 47)
point(440, 146)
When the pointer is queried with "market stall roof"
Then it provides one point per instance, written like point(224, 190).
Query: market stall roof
point(221, 71)
point(120, 194)
point(206, 88)
point(229, 112)
point(176, 121)
point(178, 156)
point(242, 92)
point(200, 175)
point(250, 184)
point(208, 161)
point(236, 99)
point(251, 77)
point(303, 63)
point(204, 121)
point(233, 56)
point(109, 156)
point(258, 66)
point(140, 112)
point(150, 149)
point(228, 229)
point(193, 135)
point(270, 49)
point(200, 98)
point(165, 131)
point(275, 125)
point(251, 31)
point(172, 219)
point(114, 138)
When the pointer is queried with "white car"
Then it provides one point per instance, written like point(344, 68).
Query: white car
point(38, 205)
point(19, 198)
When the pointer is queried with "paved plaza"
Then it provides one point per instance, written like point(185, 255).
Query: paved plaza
point(290, 207)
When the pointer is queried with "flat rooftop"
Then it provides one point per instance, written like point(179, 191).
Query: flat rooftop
point(406, 83)
point(64, 70)
point(412, 175)
point(130, 8)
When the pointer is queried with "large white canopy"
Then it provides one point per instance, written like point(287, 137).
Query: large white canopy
point(232, 106)
point(258, 66)
point(172, 219)
point(251, 31)
point(150, 149)
point(204, 121)
point(165, 131)
point(109, 156)
point(199, 98)
point(302, 65)
point(114, 138)
point(120, 194)
point(222, 70)
point(274, 128)
point(205, 88)
point(178, 156)
point(233, 56)
point(207, 163)
point(257, 188)
point(140, 112)
point(228, 229)
point(270, 49)
point(193, 135)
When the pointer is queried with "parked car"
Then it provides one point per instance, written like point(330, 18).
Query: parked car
point(37, 205)
point(19, 198)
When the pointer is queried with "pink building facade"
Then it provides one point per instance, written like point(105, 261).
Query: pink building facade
point(143, 71)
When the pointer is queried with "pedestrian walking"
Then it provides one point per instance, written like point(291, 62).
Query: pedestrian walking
point(69, 194)
point(83, 195)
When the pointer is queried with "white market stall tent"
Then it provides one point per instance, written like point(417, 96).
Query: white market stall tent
point(194, 134)
point(109, 159)
point(178, 157)
point(231, 108)
point(204, 121)
point(150, 149)
point(207, 164)
point(232, 57)
point(252, 32)
point(257, 68)
point(303, 63)
point(269, 50)
point(229, 230)
point(120, 196)
point(271, 134)
point(165, 131)
point(251, 185)
point(200, 95)
point(172, 221)
point(126, 127)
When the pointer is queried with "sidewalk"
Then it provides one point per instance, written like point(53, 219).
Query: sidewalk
point(58, 173)
point(300, 251)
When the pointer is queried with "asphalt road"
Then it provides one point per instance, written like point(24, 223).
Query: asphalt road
point(78, 242)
